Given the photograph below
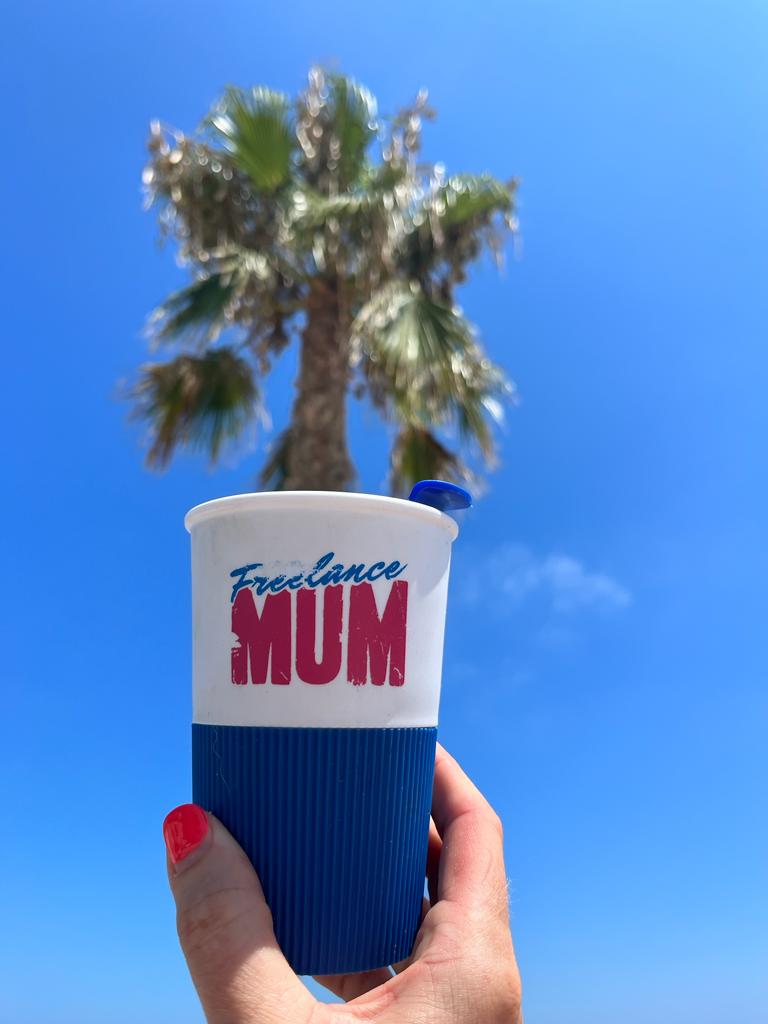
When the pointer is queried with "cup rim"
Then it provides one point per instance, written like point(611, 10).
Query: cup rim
point(327, 500)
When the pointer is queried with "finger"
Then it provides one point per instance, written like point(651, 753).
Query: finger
point(350, 986)
point(225, 926)
point(471, 871)
point(434, 849)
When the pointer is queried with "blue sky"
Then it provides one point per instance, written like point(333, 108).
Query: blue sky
point(612, 704)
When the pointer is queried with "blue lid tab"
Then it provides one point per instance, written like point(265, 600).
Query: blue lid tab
point(440, 494)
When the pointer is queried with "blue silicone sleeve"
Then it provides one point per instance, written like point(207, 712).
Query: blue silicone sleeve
point(336, 823)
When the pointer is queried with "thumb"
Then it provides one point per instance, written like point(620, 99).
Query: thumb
point(225, 926)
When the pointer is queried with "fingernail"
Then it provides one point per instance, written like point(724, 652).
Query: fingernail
point(183, 830)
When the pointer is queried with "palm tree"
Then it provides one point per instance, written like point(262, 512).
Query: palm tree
point(291, 228)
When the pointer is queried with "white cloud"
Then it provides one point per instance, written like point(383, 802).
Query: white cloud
point(516, 573)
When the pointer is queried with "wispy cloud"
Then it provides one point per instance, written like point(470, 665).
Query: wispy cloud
point(517, 574)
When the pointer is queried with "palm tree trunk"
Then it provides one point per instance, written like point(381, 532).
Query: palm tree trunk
point(318, 459)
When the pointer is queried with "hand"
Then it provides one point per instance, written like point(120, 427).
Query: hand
point(462, 970)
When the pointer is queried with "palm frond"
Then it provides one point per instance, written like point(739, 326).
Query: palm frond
point(313, 210)
point(353, 124)
point(258, 132)
point(195, 312)
point(337, 123)
point(199, 193)
point(418, 455)
point(385, 176)
point(406, 126)
point(246, 290)
point(468, 196)
point(450, 224)
point(423, 364)
point(196, 402)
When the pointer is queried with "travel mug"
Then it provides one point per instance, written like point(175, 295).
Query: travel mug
point(318, 622)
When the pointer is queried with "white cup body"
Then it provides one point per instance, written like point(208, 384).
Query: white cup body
point(338, 624)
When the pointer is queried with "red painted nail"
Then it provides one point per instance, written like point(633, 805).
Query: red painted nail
point(183, 830)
